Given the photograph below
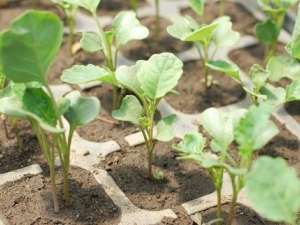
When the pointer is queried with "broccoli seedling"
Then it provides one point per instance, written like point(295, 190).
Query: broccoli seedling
point(29, 96)
point(250, 129)
point(149, 81)
point(214, 36)
point(125, 27)
point(268, 31)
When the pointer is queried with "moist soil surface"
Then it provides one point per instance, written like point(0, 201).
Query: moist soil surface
point(193, 95)
point(243, 216)
point(28, 201)
point(183, 181)
point(243, 21)
point(293, 108)
point(246, 57)
point(163, 42)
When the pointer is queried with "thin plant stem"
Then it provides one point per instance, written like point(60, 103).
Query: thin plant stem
point(219, 206)
point(222, 8)
point(233, 201)
point(71, 38)
point(133, 5)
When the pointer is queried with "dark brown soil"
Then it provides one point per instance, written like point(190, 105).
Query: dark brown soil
point(111, 7)
point(243, 216)
point(194, 97)
point(246, 57)
point(15, 8)
point(183, 181)
point(182, 218)
point(143, 49)
point(243, 21)
point(293, 108)
point(284, 145)
point(29, 201)
point(13, 156)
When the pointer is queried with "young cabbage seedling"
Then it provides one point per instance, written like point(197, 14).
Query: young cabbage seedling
point(125, 27)
point(149, 81)
point(70, 12)
point(268, 31)
point(271, 182)
point(29, 96)
point(214, 36)
point(251, 130)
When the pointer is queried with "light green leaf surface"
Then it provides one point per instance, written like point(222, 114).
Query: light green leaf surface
point(259, 76)
point(29, 46)
point(197, 6)
point(130, 110)
point(90, 5)
point(274, 190)
point(165, 128)
point(91, 42)
point(229, 69)
point(127, 27)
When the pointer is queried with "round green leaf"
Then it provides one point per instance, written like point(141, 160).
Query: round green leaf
point(30, 45)
point(90, 42)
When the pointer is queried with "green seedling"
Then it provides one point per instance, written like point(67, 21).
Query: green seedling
point(214, 36)
point(274, 190)
point(29, 96)
point(134, 5)
point(251, 130)
point(149, 81)
point(70, 11)
point(268, 31)
point(125, 27)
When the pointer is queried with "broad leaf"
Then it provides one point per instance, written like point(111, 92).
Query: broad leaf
point(90, 5)
point(197, 6)
point(182, 27)
point(255, 129)
point(127, 77)
point(229, 69)
point(126, 27)
point(224, 36)
point(259, 76)
point(32, 104)
point(29, 46)
point(81, 110)
point(130, 110)
point(274, 190)
point(80, 74)
point(165, 128)
point(90, 42)
point(274, 95)
point(283, 66)
point(204, 34)
point(293, 91)
point(220, 126)
point(267, 32)
point(159, 75)
point(192, 144)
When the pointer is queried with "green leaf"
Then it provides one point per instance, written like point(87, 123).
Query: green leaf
point(274, 190)
point(159, 75)
point(255, 129)
point(81, 110)
point(165, 128)
point(293, 91)
point(283, 66)
point(259, 76)
point(90, 42)
point(90, 5)
point(294, 45)
point(197, 6)
point(182, 27)
point(127, 27)
point(29, 46)
point(32, 104)
point(267, 32)
point(130, 110)
point(274, 95)
point(229, 69)
point(192, 144)
point(224, 36)
point(79, 74)
point(127, 77)
point(220, 126)
point(204, 34)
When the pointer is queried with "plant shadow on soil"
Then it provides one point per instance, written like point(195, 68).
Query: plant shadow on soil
point(29, 201)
